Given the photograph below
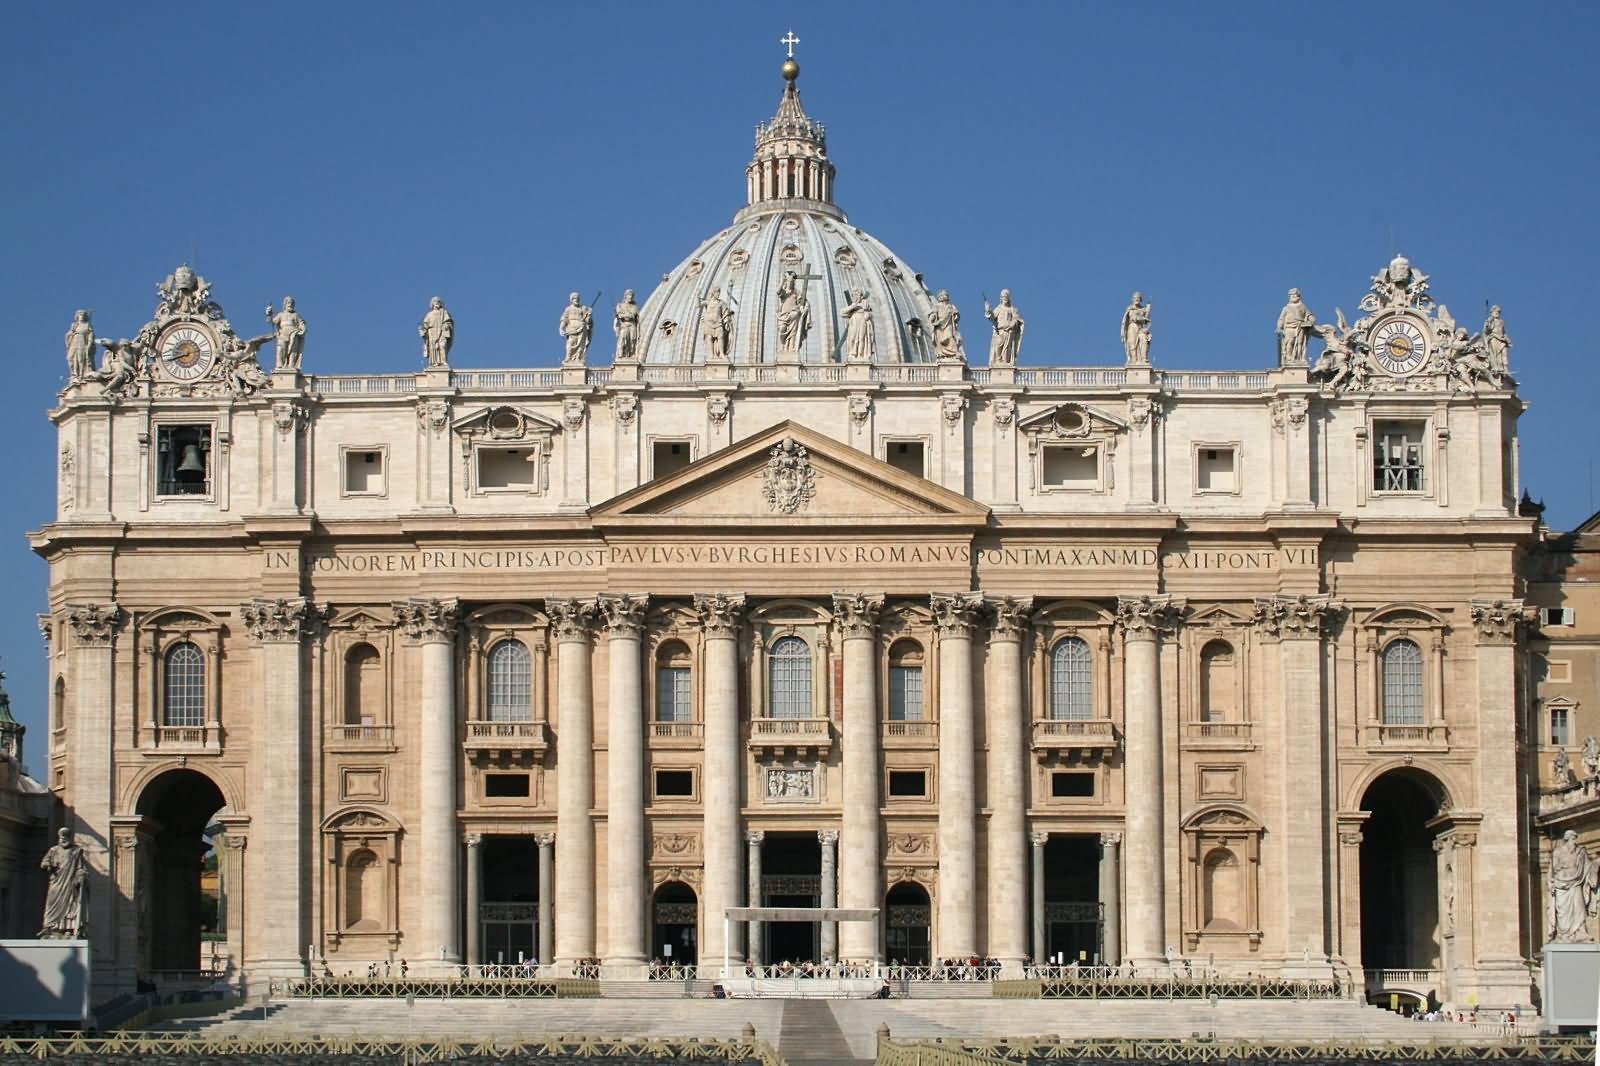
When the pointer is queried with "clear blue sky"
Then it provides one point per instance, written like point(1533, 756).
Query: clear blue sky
point(366, 156)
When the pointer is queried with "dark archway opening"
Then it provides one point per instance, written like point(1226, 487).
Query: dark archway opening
point(791, 876)
point(674, 918)
point(509, 912)
point(1072, 911)
point(173, 912)
point(910, 915)
point(1399, 873)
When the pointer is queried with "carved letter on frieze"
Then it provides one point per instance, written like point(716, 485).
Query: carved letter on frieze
point(955, 614)
point(427, 621)
point(573, 620)
point(624, 615)
point(1141, 616)
point(856, 614)
point(93, 623)
point(282, 621)
point(1010, 616)
point(1291, 617)
point(1497, 621)
point(720, 613)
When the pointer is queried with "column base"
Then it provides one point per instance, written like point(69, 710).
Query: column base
point(1494, 984)
point(1304, 968)
point(262, 969)
point(624, 970)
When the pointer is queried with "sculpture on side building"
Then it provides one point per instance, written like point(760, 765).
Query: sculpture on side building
point(1496, 344)
point(185, 294)
point(64, 899)
point(290, 330)
point(1573, 878)
point(716, 326)
point(1136, 331)
point(80, 348)
point(1590, 757)
point(240, 366)
point(576, 327)
point(119, 370)
point(794, 315)
point(1561, 771)
point(943, 320)
point(858, 342)
point(625, 324)
point(1006, 344)
point(1295, 325)
point(438, 332)
point(1343, 355)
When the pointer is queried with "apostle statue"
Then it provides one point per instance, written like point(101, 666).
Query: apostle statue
point(577, 327)
point(1136, 331)
point(438, 331)
point(1497, 345)
point(716, 326)
point(1573, 878)
point(64, 899)
point(1006, 344)
point(794, 315)
point(625, 324)
point(943, 320)
point(80, 348)
point(1295, 325)
point(1561, 770)
point(858, 343)
point(290, 330)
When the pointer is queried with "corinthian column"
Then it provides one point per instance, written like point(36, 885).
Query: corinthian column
point(958, 804)
point(1297, 623)
point(860, 875)
point(431, 624)
point(91, 781)
point(1008, 777)
point(573, 621)
point(829, 840)
point(625, 878)
point(1142, 620)
point(720, 838)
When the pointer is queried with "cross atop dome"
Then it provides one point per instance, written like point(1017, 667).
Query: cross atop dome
point(791, 40)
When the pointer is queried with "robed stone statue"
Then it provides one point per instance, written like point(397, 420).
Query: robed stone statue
point(1573, 877)
point(64, 900)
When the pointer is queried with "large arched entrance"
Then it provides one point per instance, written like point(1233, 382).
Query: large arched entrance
point(1399, 873)
point(173, 913)
point(674, 913)
point(909, 915)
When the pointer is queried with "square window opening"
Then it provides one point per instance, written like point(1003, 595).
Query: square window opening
point(907, 456)
point(363, 473)
point(675, 783)
point(1069, 784)
point(1215, 470)
point(670, 456)
point(507, 469)
point(1071, 466)
point(506, 786)
point(908, 783)
point(183, 457)
point(1397, 457)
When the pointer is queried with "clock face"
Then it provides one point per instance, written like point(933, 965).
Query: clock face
point(1399, 346)
point(187, 353)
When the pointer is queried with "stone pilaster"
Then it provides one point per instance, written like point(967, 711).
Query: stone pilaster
point(1143, 619)
point(545, 949)
point(279, 917)
point(861, 877)
point(720, 618)
point(1298, 624)
point(474, 844)
point(573, 621)
point(1111, 894)
point(753, 839)
point(626, 884)
point(430, 625)
point(1008, 783)
point(90, 781)
point(829, 839)
point(954, 617)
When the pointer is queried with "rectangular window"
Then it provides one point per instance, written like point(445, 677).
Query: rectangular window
point(673, 703)
point(669, 456)
point(908, 783)
point(1558, 616)
point(677, 784)
point(1397, 460)
point(506, 786)
point(507, 469)
point(905, 693)
point(1071, 785)
point(183, 460)
point(1069, 466)
point(907, 456)
point(363, 472)
point(1214, 470)
point(1560, 727)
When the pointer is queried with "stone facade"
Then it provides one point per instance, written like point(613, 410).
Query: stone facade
point(461, 664)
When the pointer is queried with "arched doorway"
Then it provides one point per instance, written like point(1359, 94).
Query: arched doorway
point(674, 912)
point(173, 913)
point(909, 915)
point(1399, 873)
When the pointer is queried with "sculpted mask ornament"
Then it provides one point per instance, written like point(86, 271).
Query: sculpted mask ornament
point(625, 407)
point(717, 408)
point(860, 409)
point(789, 482)
point(434, 415)
point(951, 405)
point(1004, 411)
point(572, 414)
point(1142, 411)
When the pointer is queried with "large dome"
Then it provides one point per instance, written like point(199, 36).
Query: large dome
point(789, 225)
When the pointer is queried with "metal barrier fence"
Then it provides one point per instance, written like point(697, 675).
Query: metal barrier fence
point(1018, 1052)
point(431, 1050)
point(1103, 984)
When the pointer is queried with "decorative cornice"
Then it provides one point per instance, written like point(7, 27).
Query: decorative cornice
point(573, 620)
point(1010, 614)
point(427, 621)
point(1498, 621)
point(94, 624)
point(856, 613)
point(1297, 617)
point(721, 613)
point(282, 621)
point(1142, 617)
point(624, 615)
point(955, 614)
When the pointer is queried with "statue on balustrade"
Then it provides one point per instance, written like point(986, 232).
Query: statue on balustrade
point(1295, 326)
point(438, 332)
point(625, 324)
point(1006, 344)
point(943, 320)
point(68, 891)
point(576, 327)
point(80, 349)
point(290, 330)
point(1136, 331)
point(1573, 879)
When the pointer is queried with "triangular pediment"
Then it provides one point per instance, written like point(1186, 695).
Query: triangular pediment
point(789, 475)
point(1218, 616)
point(505, 422)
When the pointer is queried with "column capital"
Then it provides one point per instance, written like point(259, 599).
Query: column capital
point(425, 621)
point(282, 621)
point(94, 624)
point(1038, 839)
point(721, 613)
point(754, 836)
point(828, 837)
point(856, 613)
point(1146, 617)
point(624, 615)
point(1110, 840)
point(544, 840)
point(1350, 838)
point(472, 840)
point(955, 613)
point(1499, 621)
point(1010, 617)
point(1299, 617)
point(573, 619)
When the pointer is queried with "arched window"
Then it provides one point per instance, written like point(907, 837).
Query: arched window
point(789, 678)
point(1071, 681)
point(362, 898)
point(58, 707)
point(1217, 687)
point(184, 686)
point(1402, 683)
point(510, 682)
point(905, 682)
point(674, 683)
point(363, 686)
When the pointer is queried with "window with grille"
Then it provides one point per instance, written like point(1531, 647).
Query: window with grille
point(510, 682)
point(905, 682)
point(1071, 682)
point(1402, 684)
point(789, 679)
point(672, 694)
point(184, 686)
point(1560, 727)
point(1397, 457)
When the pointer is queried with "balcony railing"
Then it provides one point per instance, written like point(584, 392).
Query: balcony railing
point(904, 733)
point(675, 730)
point(187, 738)
point(1433, 737)
point(777, 734)
point(1220, 734)
point(361, 737)
point(506, 741)
point(1088, 738)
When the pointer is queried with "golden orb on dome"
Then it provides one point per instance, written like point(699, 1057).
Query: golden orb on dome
point(791, 69)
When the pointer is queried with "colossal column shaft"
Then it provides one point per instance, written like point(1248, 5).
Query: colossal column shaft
point(1008, 842)
point(860, 872)
point(1141, 619)
point(574, 843)
point(625, 875)
point(90, 781)
point(719, 840)
point(958, 807)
